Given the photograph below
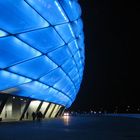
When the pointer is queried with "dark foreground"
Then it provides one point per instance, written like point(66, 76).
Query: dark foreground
point(73, 128)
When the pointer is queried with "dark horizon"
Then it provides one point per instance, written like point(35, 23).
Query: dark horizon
point(111, 70)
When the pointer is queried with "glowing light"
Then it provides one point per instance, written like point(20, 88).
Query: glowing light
point(66, 114)
point(41, 50)
point(2, 33)
point(60, 9)
point(66, 118)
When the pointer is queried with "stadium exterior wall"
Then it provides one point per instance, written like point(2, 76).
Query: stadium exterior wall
point(42, 57)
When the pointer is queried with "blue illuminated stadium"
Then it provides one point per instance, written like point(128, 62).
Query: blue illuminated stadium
point(41, 49)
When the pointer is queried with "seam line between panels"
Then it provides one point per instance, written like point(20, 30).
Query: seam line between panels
point(56, 48)
point(57, 33)
point(45, 54)
point(21, 62)
point(69, 49)
point(35, 10)
point(70, 20)
point(48, 57)
point(64, 72)
point(40, 56)
point(36, 48)
point(73, 59)
point(42, 16)
point(39, 82)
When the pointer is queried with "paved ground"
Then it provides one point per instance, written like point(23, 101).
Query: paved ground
point(125, 115)
point(73, 128)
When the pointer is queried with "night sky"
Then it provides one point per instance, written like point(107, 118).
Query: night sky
point(111, 76)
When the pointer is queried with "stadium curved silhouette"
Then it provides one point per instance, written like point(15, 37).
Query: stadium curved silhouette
point(41, 57)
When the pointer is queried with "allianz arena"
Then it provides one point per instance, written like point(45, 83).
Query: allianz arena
point(41, 57)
